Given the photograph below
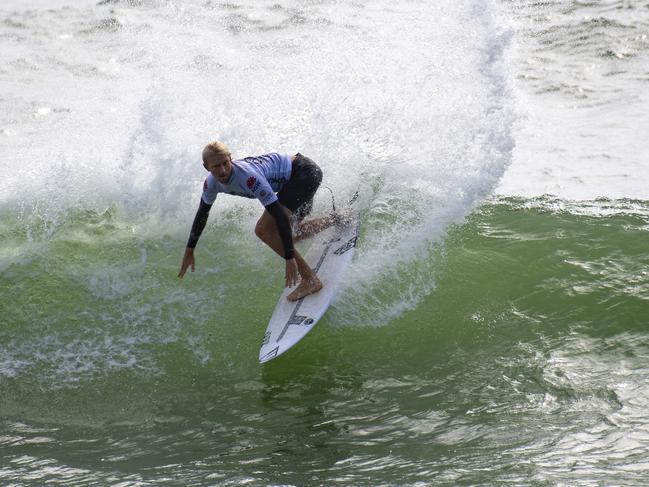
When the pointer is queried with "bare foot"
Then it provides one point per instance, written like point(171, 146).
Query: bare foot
point(306, 287)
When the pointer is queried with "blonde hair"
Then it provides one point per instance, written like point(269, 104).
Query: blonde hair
point(217, 148)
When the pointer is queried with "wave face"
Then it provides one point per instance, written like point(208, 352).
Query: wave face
point(526, 363)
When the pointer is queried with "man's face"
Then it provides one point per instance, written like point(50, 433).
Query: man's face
point(220, 165)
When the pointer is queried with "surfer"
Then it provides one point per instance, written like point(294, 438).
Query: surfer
point(285, 186)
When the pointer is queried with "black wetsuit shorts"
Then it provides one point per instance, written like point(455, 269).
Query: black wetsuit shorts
point(297, 193)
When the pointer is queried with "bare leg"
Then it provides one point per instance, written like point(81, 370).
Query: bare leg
point(309, 228)
point(266, 230)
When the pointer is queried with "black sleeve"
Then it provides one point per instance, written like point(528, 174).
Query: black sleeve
point(199, 223)
point(284, 228)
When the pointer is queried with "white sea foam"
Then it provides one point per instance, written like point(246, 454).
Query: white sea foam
point(368, 91)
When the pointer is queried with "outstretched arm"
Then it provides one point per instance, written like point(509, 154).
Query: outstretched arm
point(200, 220)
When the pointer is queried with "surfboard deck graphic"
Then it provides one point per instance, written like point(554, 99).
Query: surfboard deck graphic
point(329, 256)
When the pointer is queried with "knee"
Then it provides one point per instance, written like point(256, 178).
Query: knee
point(261, 231)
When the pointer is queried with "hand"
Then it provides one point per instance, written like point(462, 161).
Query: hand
point(188, 260)
point(291, 275)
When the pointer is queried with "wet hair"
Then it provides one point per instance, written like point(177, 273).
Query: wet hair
point(217, 148)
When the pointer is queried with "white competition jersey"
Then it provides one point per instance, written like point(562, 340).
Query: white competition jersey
point(253, 177)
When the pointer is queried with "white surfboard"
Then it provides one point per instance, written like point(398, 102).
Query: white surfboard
point(329, 255)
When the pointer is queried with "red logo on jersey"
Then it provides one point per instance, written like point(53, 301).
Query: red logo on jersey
point(251, 182)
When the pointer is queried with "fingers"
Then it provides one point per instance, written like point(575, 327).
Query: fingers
point(288, 280)
point(291, 281)
point(291, 275)
point(184, 266)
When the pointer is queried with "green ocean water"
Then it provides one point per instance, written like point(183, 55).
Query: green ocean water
point(524, 362)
